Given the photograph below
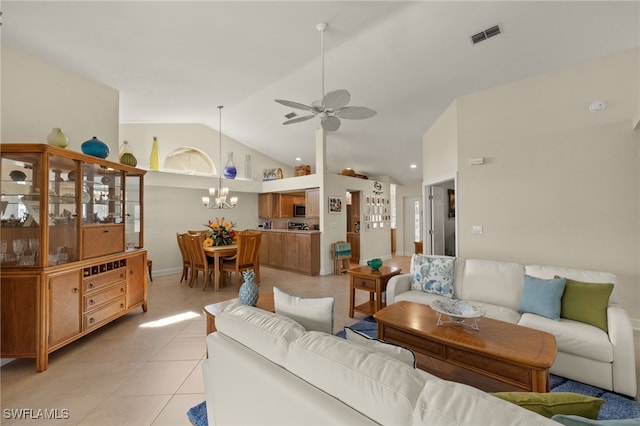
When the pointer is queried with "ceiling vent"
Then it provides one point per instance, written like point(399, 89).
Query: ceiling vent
point(483, 35)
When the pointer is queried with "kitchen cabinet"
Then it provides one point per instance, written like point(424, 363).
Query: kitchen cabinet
point(268, 207)
point(286, 205)
point(72, 257)
point(313, 203)
point(292, 251)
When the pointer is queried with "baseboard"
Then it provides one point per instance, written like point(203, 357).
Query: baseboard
point(158, 272)
point(635, 323)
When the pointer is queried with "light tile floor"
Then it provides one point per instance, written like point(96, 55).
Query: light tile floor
point(144, 368)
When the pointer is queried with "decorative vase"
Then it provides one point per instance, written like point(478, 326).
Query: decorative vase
point(154, 162)
point(230, 169)
point(248, 294)
point(57, 138)
point(126, 156)
point(375, 264)
point(95, 147)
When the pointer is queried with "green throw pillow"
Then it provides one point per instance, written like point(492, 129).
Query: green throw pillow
point(549, 404)
point(586, 302)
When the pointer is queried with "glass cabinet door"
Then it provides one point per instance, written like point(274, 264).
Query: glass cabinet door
point(102, 201)
point(20, 210)
point(63, 212)
point(133, 212)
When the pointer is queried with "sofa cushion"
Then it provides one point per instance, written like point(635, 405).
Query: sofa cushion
point(382, 388)
point(586, 302)
point(498, 283)
point(418, 296)
point(433, 274)
point(446, 403)
point(542, 297)
point(264, 332)
point(549, 404)
point(501, 313)
point(394, 351)
point(313, 313)
point(573, 337)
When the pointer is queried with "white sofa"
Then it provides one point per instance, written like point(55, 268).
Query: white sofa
point(585, 353)
point(265, 369)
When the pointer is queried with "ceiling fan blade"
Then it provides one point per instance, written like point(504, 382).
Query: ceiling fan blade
point(299, 119)
point(292, 104)
point(330, 123)
point(336, 99)
point(355, 112)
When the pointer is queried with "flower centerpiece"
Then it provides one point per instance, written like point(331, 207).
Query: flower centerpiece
point(220, 233)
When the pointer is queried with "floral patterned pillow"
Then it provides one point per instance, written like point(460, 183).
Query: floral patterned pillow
point(433, 275)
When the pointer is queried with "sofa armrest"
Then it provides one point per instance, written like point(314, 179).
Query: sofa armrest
point(621, 337)
point(396, 285)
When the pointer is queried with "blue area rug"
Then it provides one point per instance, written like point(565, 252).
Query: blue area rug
point(616, 406)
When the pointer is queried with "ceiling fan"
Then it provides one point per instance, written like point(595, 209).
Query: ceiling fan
point(332, 106)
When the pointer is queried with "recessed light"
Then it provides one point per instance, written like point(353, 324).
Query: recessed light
point(414, 166)
point(298, 159)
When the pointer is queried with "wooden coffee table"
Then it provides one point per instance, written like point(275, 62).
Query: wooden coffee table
point(498, 357)
point(265, 301)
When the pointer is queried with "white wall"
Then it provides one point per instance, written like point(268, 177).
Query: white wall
point(37, 97)
point(561, 184)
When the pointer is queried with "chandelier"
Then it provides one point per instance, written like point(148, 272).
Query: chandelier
point(220, 202)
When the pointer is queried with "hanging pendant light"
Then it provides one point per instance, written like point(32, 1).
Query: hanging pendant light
point(219, 202)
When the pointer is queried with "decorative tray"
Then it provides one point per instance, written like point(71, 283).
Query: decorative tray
point(458, 311)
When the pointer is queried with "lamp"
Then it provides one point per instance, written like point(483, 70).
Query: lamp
point(220, 202)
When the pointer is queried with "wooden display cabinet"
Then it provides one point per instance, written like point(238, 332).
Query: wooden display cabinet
point(72, 255)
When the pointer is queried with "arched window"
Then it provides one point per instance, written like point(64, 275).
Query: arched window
point(189, 160)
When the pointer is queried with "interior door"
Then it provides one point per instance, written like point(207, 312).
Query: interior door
point(437, 203)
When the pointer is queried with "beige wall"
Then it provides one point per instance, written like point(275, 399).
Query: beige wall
point(37, 97)
point(560, 185)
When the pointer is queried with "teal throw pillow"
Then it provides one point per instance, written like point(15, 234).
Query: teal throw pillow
point(542, 297)
point(433, 275)
point(571, 420)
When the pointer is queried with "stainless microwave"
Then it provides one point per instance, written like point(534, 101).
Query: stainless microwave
point(299, 210)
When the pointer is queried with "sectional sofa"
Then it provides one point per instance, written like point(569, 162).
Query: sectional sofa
point(593, 332)
point(266, 369)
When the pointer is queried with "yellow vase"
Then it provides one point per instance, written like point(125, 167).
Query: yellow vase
point(154, 163)
point(57, 138)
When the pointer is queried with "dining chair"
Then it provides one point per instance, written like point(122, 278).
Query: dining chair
point(246, 256)
point(199, 260)
point(186, 257)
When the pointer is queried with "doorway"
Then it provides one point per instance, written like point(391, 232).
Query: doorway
point(412, 220)
point(440, 220)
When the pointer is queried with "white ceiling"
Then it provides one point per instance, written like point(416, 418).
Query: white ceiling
point(174, 62)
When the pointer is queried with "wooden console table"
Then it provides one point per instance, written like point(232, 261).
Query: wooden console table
point(265, 301)
point(375, 282)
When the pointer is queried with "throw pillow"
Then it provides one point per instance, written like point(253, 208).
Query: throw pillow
point(542, 297)
point(549, 404)
point(313, 313)
point(569, 420)
point(586, 302)
point(389, 349)
point(433, 275)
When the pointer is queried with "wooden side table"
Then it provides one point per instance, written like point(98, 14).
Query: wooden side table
point(265, 301)
point(375, 282)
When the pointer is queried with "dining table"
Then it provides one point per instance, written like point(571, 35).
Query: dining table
point(218, 252)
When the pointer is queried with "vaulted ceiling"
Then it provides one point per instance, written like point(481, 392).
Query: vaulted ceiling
point(174, 62)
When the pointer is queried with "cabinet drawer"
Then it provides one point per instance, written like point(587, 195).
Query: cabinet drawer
point(364, 283)
point(100, 281)
point(103, 314)
point(96, 299)
point(102, 240)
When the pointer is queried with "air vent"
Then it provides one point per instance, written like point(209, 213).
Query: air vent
point(290, 115)
point(488, 33)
